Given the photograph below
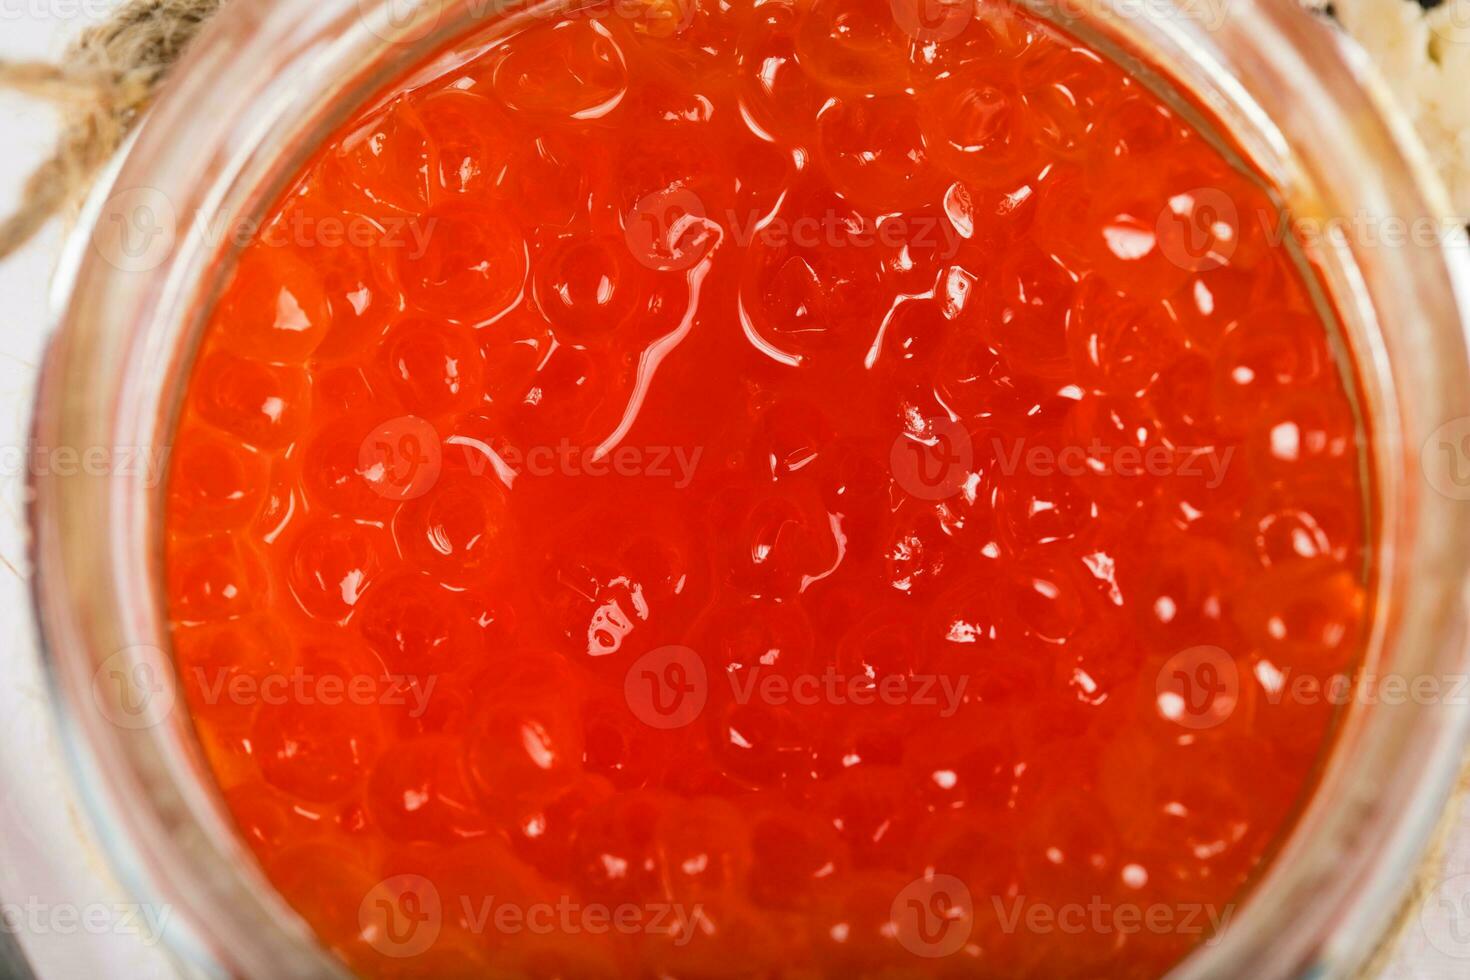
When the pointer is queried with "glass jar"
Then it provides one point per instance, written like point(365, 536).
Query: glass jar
point(268, 82)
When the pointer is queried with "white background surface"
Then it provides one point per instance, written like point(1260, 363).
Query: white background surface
point(46, 863)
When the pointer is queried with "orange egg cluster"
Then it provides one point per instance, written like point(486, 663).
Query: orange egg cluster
point(794, 487)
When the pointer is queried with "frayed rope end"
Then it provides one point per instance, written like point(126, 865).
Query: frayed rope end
point(106, 80)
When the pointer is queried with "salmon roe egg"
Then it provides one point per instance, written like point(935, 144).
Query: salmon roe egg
point(769, 487)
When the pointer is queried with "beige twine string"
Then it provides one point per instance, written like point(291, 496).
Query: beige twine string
point(105, 81)
point(109, 76)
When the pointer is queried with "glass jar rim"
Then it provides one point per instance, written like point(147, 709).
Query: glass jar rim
point(264, 79)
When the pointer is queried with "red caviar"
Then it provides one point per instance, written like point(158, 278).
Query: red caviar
point(751, 488)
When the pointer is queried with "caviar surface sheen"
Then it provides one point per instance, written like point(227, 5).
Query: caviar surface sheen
point(766, 489)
